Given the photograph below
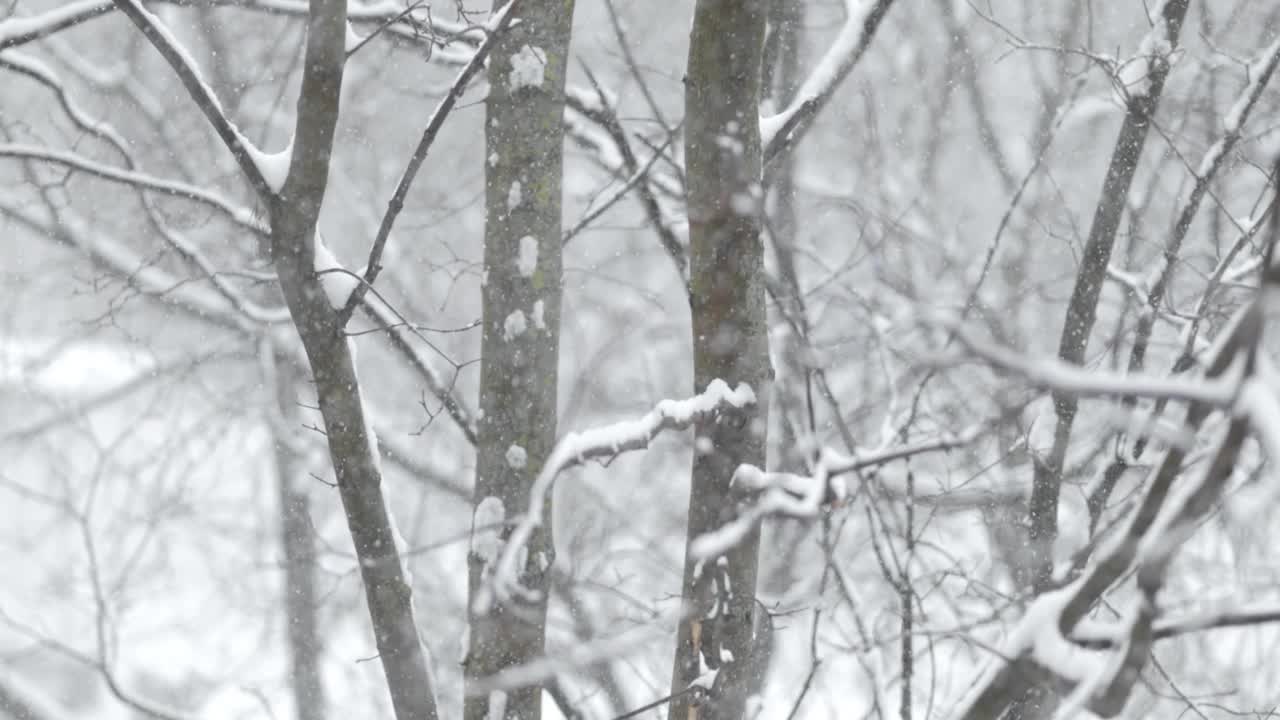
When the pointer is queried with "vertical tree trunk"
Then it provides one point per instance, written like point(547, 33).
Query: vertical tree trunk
point(723, 165)
point(781, 79)
point(1038, 701)
point(1140, 110)
point(352, 448)
point(300, 605)
point(294, 210)
point(524, 140)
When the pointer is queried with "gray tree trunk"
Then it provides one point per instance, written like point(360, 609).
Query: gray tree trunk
point(524, 138)
point(781, 70)
point(298, 543)
point(727, 283)
point(294, 212)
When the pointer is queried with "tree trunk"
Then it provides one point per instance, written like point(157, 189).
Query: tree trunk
point(781, 536)
point(298, 543)
point(723, 165)
point(524, 140)
point(352, 448)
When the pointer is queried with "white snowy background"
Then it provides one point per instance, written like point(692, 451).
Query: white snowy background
point(138, 505)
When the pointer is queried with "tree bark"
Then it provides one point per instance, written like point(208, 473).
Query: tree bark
point(297, 541)
point(725, 194)
point(524, 138)
point(1140, 109)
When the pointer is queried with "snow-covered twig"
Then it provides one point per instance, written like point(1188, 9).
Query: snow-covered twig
point(1154, 530)
point(245, 153)
point(638, 177)
point(132, 268)
point(799, 496)
point(862, 17)
point(1156, 285)
point(16, 31)
point(604, 442)
point(238, 214)
point(1054, 374)
point(1152, 59)
point(188, 250)
point(605, 136)
point(40, 72)
point(389, 16)
point(1109, 635)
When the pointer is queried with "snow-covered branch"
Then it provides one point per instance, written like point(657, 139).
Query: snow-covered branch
point(781, 131)
point(591, 120)
point(799, 496)
point(609, 441)
point(1110, 635)
point(1157, 526)
point(132, 268)
point(1054, 374)
point(239, 214)
point(16, 31)
point(37, 70)
point(415, 24)
point(1152, 59)
point(264, 178)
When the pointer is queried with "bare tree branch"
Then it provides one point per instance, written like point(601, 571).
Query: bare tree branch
point(779, 133)
point(496, 26)
point(184, 66)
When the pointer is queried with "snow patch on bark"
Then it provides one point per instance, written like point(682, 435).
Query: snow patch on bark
point(352, 40)
point(486, 541)
point(335, 280)
point(528, 68)
point(515, 196)
point(497, 706)
point(539, 321)
point(273, 166)
point(464, 644)
point(517, 458)
point(527, 260)
point(514, 326)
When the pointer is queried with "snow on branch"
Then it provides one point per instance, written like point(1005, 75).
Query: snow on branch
point(1054, 374)
point(1171, 508)
point(134, 269)
point(799, 496)
point(1154, 54)
point(591, 120)
point(41, 73)
point(239, 214)
point(1259, 73)
point(389, 16)
point(1105, 635)
point(248, 157)
point(338, 283)
point(862, 17)
point(604, 442)
point(16, 31)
